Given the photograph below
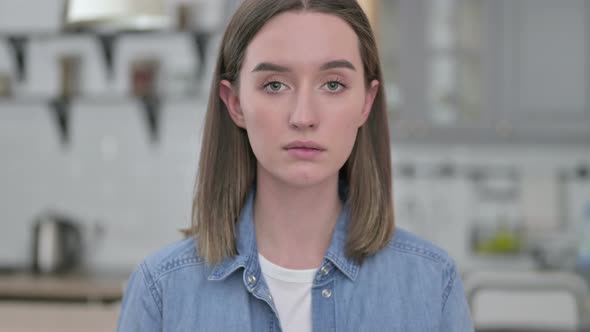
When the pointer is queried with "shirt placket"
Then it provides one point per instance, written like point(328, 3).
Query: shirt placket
point(323, 304)
point(258, 288)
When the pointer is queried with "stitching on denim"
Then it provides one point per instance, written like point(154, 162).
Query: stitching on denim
point(151, 285)
point(178, 267)
point(177, 262)
point(349, 269)
point(250, 258)
point(186, 247)
point(419, 251)
point(223, 271)
point(186, 256)
point(449, 286)
point(271, 326)
point(334, 282)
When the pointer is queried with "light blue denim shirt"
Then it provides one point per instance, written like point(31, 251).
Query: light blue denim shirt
point(410, 285)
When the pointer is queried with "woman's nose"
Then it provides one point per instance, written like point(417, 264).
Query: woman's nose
point(304, 114)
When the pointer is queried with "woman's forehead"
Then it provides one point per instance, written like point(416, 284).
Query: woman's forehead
point(309, 39)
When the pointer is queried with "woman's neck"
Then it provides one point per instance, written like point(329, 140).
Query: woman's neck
point(294, 225)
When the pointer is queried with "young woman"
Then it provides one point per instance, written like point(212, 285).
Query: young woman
point(293, 224)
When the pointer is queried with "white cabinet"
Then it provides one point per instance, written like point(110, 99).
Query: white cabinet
point(493, 71)
point(544, 64)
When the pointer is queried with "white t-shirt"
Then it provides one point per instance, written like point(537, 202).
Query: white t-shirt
point(291, 293)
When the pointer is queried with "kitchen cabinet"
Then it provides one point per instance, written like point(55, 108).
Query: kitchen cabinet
point(488, 71)
point(441, 70)
point(543, 67)
point(19, 16)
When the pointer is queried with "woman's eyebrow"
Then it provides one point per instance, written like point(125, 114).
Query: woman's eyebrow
point(267, 66)
point(337, 64)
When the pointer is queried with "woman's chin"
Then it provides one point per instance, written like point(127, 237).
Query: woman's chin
point(306, 179)
point(298, 176)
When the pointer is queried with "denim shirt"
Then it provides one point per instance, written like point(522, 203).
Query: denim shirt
point(410, 285)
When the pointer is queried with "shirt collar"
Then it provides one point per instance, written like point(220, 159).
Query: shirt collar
point(336, 252)
point(245, 242)
point(248, 252)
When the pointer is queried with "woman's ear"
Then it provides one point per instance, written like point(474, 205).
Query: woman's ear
point(369, 99)
point(232, 103)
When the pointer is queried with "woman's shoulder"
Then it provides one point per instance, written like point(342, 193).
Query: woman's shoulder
point(161, 275)
point(408, 255)
point(409, 246)
point(172, 257)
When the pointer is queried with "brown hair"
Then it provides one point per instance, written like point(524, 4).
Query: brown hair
point(227, 167)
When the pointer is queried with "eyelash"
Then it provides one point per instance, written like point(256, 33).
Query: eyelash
point(336, 81)
point(266, 85)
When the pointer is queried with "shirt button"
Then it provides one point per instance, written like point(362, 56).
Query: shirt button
point(324, 270)
point(270, 297)
point(251, 279)
point(326, 293)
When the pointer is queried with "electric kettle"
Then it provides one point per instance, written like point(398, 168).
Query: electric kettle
point(57, 244)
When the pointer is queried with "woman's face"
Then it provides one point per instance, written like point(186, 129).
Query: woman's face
point(301, 97)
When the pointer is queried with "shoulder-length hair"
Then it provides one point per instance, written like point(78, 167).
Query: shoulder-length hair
point(227, 166)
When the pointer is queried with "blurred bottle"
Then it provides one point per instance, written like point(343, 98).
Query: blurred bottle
point(4, 85)
point(579, 206)
point(70, 75)
point(584, 249)
point(144, 73)
point(184, 17)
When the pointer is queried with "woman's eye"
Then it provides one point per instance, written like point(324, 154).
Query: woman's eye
point(334, 86)
point(274, 86)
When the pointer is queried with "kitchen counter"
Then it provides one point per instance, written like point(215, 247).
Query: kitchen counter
point(69, 303)
point(67, 288)
point(57, 317)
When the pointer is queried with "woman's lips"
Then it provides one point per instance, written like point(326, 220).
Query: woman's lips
point(304, 153)
point(304, 149)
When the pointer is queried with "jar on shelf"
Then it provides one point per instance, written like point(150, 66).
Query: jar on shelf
point(5, 89)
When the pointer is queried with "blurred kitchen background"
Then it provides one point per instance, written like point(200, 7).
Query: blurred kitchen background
point(101, 109)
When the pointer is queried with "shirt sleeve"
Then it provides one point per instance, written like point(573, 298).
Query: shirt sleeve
point(456, 316)
point(141, 307)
